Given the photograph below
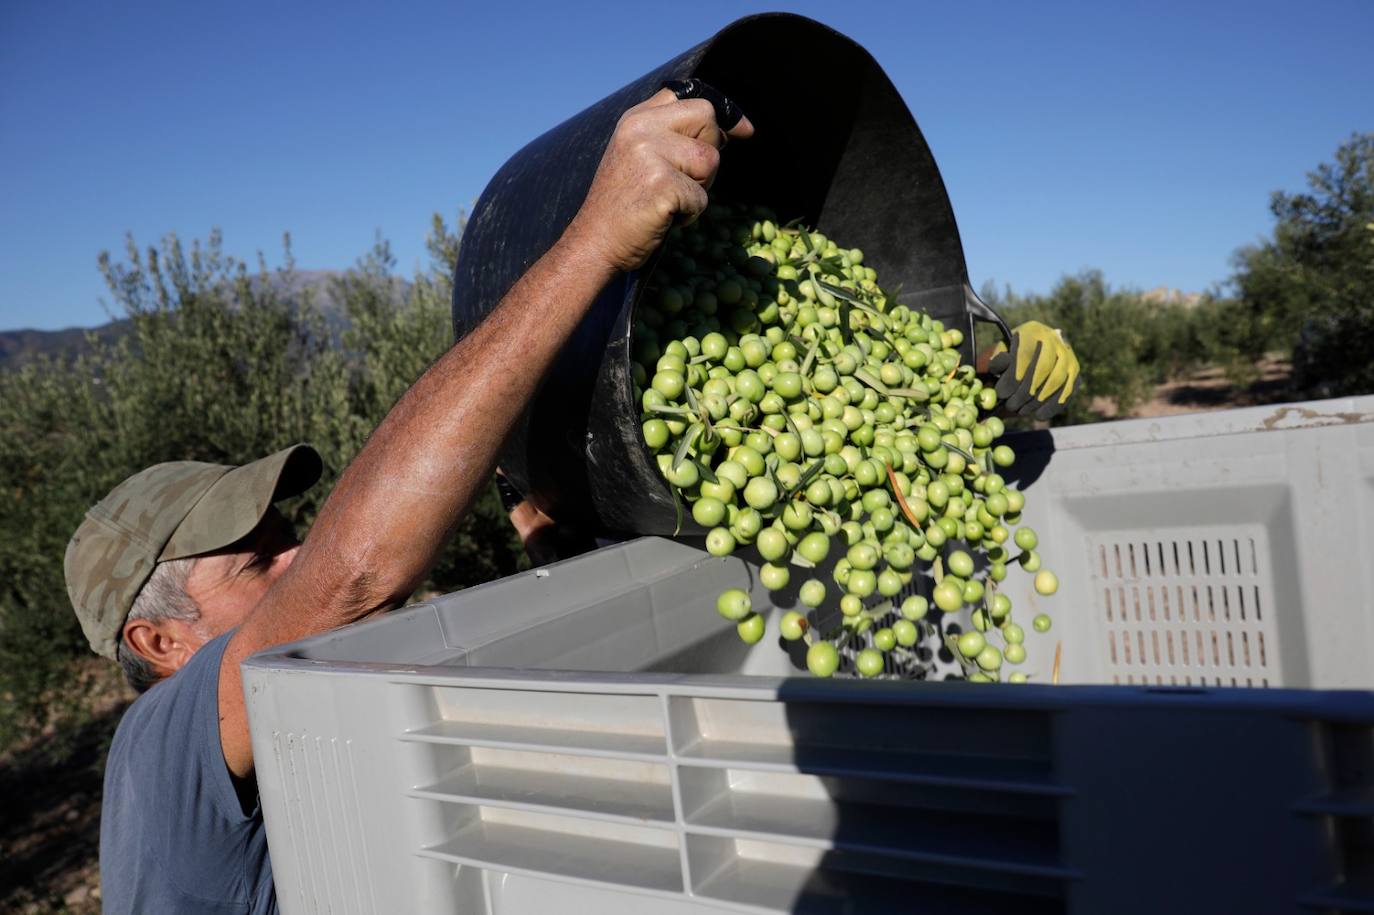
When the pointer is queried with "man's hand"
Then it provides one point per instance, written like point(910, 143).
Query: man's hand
point(656, 169)
point(1038, 374)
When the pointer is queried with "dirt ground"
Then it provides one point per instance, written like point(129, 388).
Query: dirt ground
point(50, 834)
point(1209, 389)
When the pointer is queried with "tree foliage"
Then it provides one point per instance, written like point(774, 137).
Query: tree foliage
point(1310, 288)
point(222, 364)
point(1126, 342)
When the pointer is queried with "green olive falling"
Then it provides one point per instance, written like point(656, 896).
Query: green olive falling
point(794, 406)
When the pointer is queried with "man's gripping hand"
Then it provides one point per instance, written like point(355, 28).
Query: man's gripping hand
point(656, 169)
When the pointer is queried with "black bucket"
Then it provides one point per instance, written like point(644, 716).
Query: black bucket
point(834, 145)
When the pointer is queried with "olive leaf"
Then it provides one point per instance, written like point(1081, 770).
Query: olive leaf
point(677, 509)
point(845, 295)
point(683, 446)
point(809, 473)
point(832, 265)
point(810, 358)
point(863, 342)
point(772, 466)
point(867, 379)
point(960, 451)
point(901, 499)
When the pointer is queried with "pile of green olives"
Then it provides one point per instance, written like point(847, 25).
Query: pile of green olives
point(795, 407)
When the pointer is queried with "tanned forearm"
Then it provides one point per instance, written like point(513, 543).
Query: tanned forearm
point(382, 527)
point(396, 504)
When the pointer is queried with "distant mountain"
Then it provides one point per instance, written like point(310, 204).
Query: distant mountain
point(19, 346)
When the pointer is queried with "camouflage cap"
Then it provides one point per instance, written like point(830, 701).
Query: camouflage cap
point(169, 511)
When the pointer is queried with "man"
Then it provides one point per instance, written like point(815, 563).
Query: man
point(186, 569)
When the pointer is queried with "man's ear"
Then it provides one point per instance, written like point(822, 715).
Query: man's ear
point(164, 647)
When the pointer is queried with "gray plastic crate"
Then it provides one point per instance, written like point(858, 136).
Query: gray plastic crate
point(592, 737)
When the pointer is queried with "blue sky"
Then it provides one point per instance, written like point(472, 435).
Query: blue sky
point(1142, 139)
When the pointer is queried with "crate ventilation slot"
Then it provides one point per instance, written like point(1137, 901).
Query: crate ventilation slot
point(1186, 610)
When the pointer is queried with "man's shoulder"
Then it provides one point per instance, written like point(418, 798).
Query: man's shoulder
point(175, 699)
point(174, 832)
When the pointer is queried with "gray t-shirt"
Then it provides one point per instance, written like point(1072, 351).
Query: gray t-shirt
point(176, 834)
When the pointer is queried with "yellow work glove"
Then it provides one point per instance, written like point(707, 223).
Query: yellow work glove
point(1037, 375)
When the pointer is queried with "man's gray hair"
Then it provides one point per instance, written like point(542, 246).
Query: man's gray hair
point(162, 597)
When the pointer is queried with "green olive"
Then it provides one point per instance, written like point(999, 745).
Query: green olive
point(760, 493)
point(655, 433)
point(720, 542)
point(862, 582)
point(814, 547)
point(774, 577)
point(772, 544)
point(889, 583)
point(990, 658)
point(750, 629)
point(685, 475)
point(792, 626)
point(722, 489)
point(1046, 582)
point(822, 659)
point(669, 383)
point(914, 607)
point(734, 472)
point(960, 563)
point(905, 632)
point(787, 446)
point(862, 556)
point(734, 604)
point(746, 525)
point(788, 385)
point(748, 385)
point(948, 597)
point(971, 643)
point(708, 511)
point(812, 593)
point(870, 662)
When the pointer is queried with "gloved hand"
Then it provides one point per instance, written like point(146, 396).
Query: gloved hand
point(1037, 375)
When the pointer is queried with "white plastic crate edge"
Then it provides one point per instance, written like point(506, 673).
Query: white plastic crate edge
point(335, 766)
